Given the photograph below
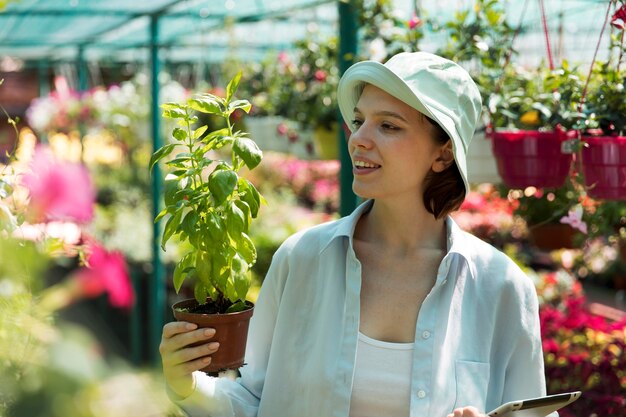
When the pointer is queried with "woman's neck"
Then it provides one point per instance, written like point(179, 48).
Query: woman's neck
point(401, 226)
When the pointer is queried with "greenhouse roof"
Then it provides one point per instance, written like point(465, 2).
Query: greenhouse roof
point(56, 29)
point(211, 30)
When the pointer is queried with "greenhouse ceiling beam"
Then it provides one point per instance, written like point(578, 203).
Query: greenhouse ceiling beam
point(251, 18)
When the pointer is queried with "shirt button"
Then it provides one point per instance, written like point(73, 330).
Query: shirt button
point(421, 393)
point(425, 334)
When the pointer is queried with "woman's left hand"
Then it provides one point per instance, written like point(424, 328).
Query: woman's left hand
point(466, 412)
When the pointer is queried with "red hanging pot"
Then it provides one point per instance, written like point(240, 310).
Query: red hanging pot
point(604, 166)
point(531, 158)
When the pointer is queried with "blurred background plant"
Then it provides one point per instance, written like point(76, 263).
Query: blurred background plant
point(50, 365)
point(536, 99)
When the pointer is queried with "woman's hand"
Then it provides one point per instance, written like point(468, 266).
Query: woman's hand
point(179, 360)
point(466, 412)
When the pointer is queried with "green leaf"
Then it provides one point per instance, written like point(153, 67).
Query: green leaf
point(248, 150)
point(174, 113)
point(199, 131)
point(232, 86)
point(203, 265)
point(200, 292)
point(235, 222)
point(171, 226)
point(179, 134)
point(170, 188)
point(240, 104)
point(245, 209)
point(188, 225)
point(220, 271)
point(208, 104)
point(237, 307)
point(246, 249)
point(216, 226)
point(161, 153)
point(161, 215)
point(222, 184)
point(247, 193)
point(180, 272)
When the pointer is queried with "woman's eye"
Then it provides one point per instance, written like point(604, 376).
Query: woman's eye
point(388, 126)
point(356, 123)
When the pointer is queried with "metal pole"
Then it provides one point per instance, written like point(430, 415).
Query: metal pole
point(44, 88)
point(347, 56)
point(157, 288)
point(83, 85)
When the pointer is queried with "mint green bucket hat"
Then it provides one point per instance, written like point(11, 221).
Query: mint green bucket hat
point(434, 86)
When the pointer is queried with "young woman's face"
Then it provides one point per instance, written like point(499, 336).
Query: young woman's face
point(392, 147)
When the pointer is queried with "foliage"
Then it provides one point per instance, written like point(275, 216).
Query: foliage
point(605, 104)
point(211, 212)
point(536, 99)
point(546, 205)
point(315, 83)
point(480, 38)
point(383, 32)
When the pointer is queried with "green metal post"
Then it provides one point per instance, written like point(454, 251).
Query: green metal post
point(83, 85)
point(347, 55)
point(157, 288)
point(44, 88)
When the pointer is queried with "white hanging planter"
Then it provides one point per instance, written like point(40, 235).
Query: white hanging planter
point(481, 164)
point(264, 131)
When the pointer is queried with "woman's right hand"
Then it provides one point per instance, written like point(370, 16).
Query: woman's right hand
point(180, 360)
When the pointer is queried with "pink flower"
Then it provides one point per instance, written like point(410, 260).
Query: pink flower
point(415, 22)
point(106, 272)
point(320, 75)
point(619, 18)
point(282, 129)
point(575, 219)
point(58, 190)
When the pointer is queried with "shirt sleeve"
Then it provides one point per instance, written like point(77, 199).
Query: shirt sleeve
point(525, 376)
point(223, 397)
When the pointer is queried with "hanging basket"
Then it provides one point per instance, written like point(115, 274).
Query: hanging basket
point(531, 158)
point(604, 166)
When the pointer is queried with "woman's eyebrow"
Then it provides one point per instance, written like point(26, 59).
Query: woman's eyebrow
point(385, 113)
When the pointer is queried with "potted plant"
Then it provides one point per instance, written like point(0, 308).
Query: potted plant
point(604, 134)
point(210, 207)
point(555, 217)
point(530, 115)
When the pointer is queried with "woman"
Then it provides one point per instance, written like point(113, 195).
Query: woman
point(393, 310)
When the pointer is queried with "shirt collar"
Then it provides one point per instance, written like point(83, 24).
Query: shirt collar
point(456, 237)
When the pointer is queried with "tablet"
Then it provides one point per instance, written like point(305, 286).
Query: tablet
point(535, 407)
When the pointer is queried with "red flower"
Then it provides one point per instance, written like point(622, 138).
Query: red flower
point(58, 190)
point(619, 18)
point(320, 75)
point(106, 272)
point(282, 129)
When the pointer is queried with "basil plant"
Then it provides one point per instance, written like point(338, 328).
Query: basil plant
point(207, 203)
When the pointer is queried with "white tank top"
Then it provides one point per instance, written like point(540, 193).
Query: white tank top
point(382, 379)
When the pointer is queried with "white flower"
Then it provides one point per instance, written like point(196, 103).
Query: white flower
point(377, 50)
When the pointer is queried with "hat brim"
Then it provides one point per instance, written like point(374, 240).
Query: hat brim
point(375, 73)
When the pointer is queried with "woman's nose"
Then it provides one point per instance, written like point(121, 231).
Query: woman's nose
point(361, 137)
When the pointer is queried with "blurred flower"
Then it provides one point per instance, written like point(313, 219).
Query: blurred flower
point(619, 18)
point(377, 50)
point(575, 219)
point(58, 190)
point(530, 118)
point(415, 22)
point(106, 272)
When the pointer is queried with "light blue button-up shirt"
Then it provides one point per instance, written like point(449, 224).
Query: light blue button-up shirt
point(477, 340)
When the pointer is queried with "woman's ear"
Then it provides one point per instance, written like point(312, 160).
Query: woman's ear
point(445, 158)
